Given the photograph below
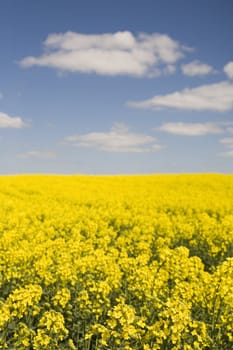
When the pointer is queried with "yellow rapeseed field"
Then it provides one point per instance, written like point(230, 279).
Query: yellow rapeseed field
point(116, 262)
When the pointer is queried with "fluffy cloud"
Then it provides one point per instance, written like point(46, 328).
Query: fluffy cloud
point(216, 97)
point(228, 144)
point(120, 53)
point(6, 121)
point(228, 69)
point(118, 139)
point(196, 68)
point(191, 129)
point(38, 154)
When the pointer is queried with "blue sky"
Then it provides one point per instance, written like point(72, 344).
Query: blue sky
point(116, 87)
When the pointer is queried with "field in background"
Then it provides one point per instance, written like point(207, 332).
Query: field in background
point(124, 262)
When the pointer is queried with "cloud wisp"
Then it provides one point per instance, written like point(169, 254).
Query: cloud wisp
point(227, 142)
point(118, 139)
point(38, 155)
point(197, 68)
point(7, 121)
point(216, 97)
point(120, 53)
point(192, 129)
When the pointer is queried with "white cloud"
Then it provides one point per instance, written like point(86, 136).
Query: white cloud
point(195, 68)
point(6, 121)
point(120, 53)
point(228, 69)
point(118, 139)
point(191, 129)
point(216, 97)
point(38, 154)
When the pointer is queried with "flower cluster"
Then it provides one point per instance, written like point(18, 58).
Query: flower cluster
point(124, 262)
